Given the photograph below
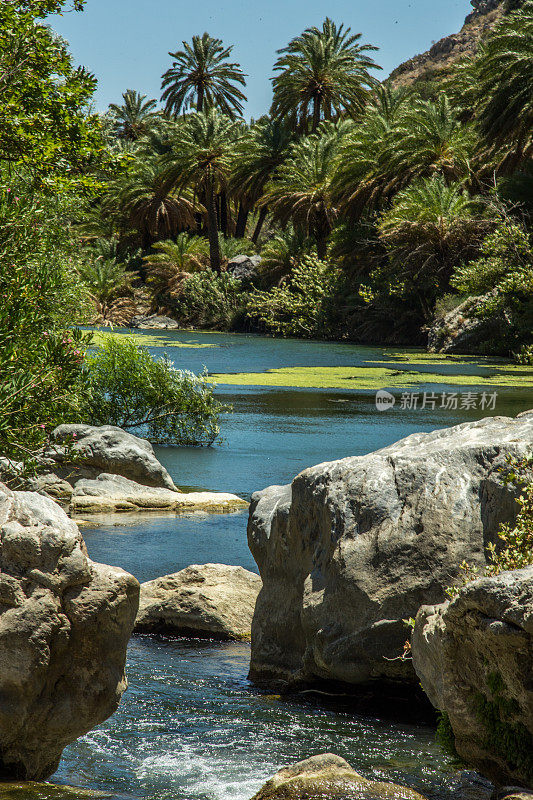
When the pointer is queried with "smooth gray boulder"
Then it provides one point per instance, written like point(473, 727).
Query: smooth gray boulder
point(329, 777)
point(208, 600)
point(64, 626)
point(153, 321)
point(354, 547)
point(474, 658)
point(114, 493)
point(245, 269)
point(108, 449)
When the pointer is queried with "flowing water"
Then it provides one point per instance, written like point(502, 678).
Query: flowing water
point(191, 727)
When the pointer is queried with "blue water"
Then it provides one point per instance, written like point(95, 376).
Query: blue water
point(191, 727)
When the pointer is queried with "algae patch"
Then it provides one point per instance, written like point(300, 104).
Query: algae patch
point(373, 378)
point(148, 340)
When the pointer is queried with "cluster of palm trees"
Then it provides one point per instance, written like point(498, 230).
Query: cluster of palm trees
point(342, 164)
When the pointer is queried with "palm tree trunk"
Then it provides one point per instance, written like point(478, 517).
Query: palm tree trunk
point(224, 214)
point(259, 225)
point(322, 247)
point(212, 228)
point(316, 113)
point(200, 102)
point(242, 219)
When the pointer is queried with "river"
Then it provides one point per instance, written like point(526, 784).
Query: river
point(191, 727)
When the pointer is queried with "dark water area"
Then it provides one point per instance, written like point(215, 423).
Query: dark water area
point(191, 727)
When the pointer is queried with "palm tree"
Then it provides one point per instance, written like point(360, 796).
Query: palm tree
point(504, 68)
point(280, 253)
point(431, 227)
point(201, 77)
point(201, 158)
point(174, 261)
point(358, 182)
point(258, 155)
point(153, 208)
point(110, 288)
point(132, 118)
point(429, 140)
point(301, 192)
point(323, 74)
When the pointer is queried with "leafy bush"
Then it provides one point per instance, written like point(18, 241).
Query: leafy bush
point(302, 304)
point(131, 389)
point(210, 300)
point(279, 254)
point(40, 357)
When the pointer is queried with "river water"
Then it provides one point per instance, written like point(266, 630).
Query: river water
point(191, 727)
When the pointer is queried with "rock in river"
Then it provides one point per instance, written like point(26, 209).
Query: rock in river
point(112, 493)
point(211, 600)
point(474, 658)
point(354, 547)
point(329, 777)
point(64, 626)
point(110, 449)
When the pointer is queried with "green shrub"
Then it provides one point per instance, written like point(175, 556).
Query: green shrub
point(210, 300)
point(40, 295)
point(131, 389)
point(302, 305)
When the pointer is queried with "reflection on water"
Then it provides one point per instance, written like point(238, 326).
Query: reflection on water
point(191, 727)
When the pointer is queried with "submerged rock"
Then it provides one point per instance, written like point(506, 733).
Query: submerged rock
point(354, 547)
point(328, 777)
point(64, 626)
point(113, 493)
point(109, 449)
point(474, 658)
point(211, 600)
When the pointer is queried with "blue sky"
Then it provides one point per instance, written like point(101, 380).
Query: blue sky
point(126, 42)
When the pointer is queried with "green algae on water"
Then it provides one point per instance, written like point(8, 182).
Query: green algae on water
point(373, 378)
point(147, 340)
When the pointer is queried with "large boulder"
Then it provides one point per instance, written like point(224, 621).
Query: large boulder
point(474, 658)
point(466, 329)
point(353, 548)
point(153, 322)
point(245, 269)
point(113, 493)
point(329, 777)
point(211, 600)
point(64, 626)
point(108, 449)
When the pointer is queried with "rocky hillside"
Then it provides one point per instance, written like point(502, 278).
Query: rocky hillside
point(446, 52)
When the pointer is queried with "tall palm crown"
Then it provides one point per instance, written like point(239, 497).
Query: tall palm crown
point(201, 157)
point(201, 77)
point(302, 190)
point(323, 73)
point(132, 117)
point(258, 155)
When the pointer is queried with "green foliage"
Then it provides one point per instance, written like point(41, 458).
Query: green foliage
point(132, 119)
point(40, 358)
point(172, 262)
point(131, 389)
point(201, 77)
point(110, 288)
point(44, 126)
point(504, 735)
point(300, 306)
point(279, 254)
point(430, 227)
point(446, 737)
point(210, 300)
point(525, 355)
point(322, 74)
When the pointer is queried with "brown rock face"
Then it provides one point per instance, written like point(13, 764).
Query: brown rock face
point(64, 626)
point(329, 777)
